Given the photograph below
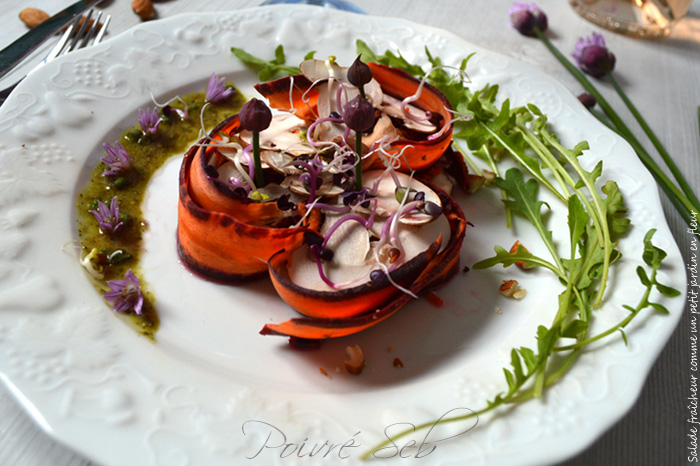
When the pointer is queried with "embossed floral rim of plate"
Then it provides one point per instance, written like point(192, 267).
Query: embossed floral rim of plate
point(211, 390)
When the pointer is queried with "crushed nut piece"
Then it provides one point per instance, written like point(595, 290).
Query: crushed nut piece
point(511, 289)
point(513, 249)
point(398, 362)
point(357, 360)
point(489, 176)
point(475, 183)
point(434, 299)
point(33, 17)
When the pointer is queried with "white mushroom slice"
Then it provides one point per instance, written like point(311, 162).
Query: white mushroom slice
point(303, 271)
point(318, 69)
point(327, 188)
point(383, 127)
point(392, 107)
point(417, 238)
point(279, 162)
point(387, 204)
point(332, 76)
point(286, 133)
point(349, 242)
point(228, 170)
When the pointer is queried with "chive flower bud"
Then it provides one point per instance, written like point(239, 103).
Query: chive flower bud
point(359, 114)
point(526, 17)
point(359, 73)
point(587, 100)
point(255, 115)
point(593, 57)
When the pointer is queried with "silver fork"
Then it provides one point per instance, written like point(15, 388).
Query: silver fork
point(76, 36)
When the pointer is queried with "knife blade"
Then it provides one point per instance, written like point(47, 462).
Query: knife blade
point(19, 49)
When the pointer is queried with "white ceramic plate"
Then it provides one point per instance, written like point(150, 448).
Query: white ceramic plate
point(212, 390)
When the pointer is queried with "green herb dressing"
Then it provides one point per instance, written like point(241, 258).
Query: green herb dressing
point(148, 154)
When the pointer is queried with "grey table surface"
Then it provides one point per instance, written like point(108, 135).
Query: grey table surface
point(662, 77)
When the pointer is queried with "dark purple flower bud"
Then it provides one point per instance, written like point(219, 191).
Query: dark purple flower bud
point(587, 100)
point(359, 73)
point(255, 115)
point(526, 17)
point(359, 114)
point(593, 57)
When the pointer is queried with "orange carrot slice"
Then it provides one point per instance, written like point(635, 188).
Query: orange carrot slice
point(348, 302)
point(438, 270)
point(416, 153)
point(218, 235)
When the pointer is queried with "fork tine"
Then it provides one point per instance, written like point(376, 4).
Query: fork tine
point(91, 30)
point(81, 31)
point(56, 50)
point(102, 30)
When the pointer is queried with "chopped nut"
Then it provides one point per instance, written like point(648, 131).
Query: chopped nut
point(143, 8)
point(397, 362)
point(33, 17)
point(514, 249)
point(520, 294)
point(489, 176)
point(509, 288)
point(434, 299)
point(357, 360)
point(475, 183)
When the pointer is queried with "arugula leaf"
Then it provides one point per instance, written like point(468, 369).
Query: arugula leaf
point(267, 69)
point(388, 58)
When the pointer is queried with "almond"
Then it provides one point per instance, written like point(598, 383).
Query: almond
point(33, 17)
point(143, 8)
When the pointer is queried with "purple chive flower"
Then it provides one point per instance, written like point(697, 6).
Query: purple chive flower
point(117, 159)
point(217, 90)
point(108, 217)
point(526, 17)
point(149, 120)
point(125, 294)
point(592, 55)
